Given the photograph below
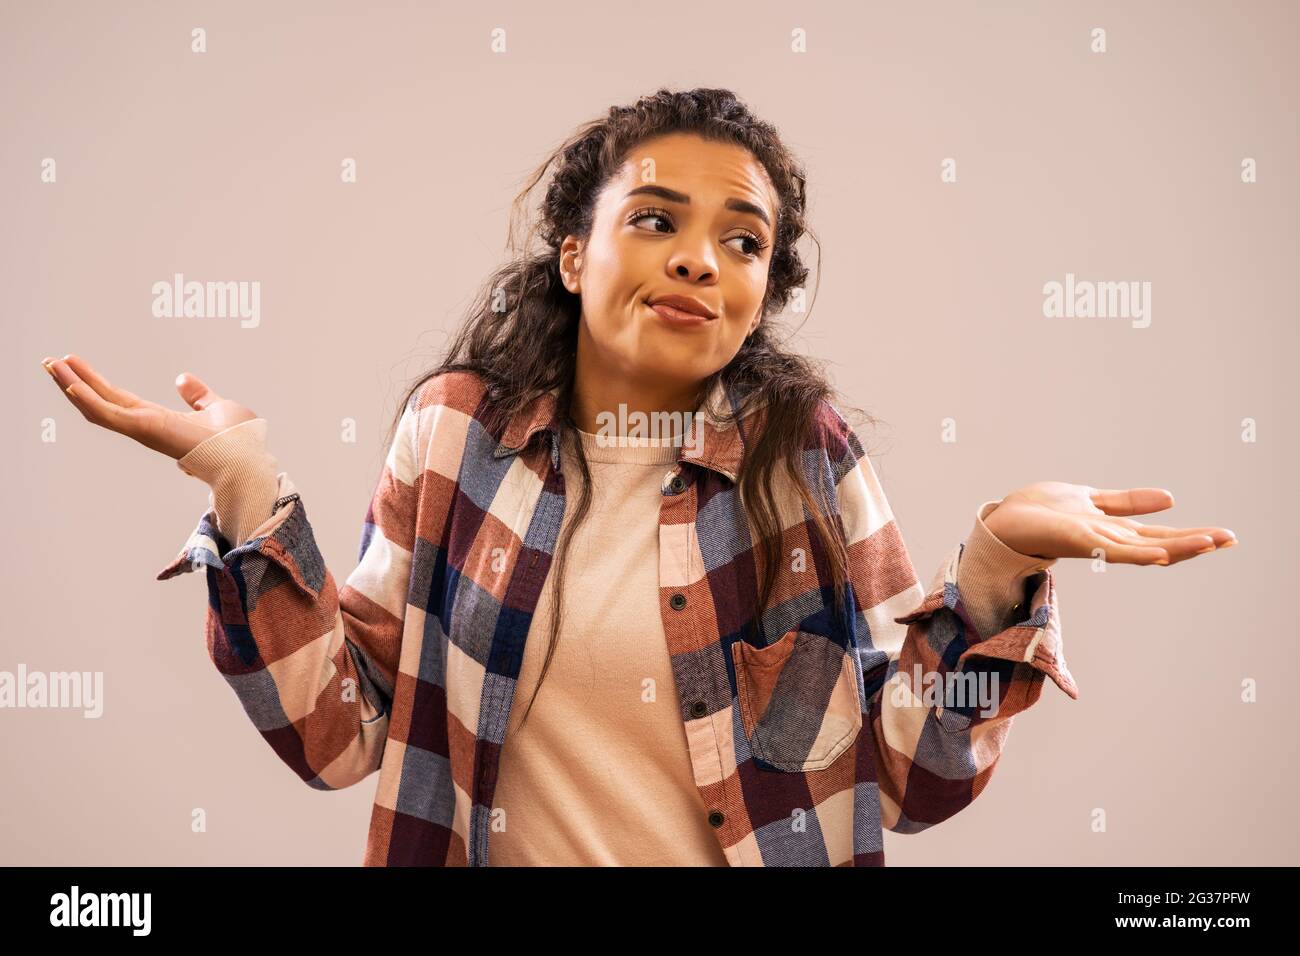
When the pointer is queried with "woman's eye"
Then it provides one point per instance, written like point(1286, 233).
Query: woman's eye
point(650, 215)
point(754, 249)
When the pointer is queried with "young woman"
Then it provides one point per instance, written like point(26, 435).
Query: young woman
point(577, 635)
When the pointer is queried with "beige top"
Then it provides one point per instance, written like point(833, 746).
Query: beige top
point(600, 774)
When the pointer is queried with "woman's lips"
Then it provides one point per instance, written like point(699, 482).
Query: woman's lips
point(678, 318)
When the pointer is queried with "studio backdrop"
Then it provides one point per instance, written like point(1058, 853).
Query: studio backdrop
point(1052, 242)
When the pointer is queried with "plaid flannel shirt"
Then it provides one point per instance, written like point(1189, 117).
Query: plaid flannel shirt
point(804, 743)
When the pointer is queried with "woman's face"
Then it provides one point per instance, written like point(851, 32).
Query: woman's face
point(683, 216)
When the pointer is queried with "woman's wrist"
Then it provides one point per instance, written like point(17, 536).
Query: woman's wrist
point(242, 474)
point(991, 575)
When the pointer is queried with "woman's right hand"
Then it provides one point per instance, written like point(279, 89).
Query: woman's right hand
point(164, 430)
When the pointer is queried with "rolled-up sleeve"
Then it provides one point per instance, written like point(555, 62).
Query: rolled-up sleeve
point(242, 475)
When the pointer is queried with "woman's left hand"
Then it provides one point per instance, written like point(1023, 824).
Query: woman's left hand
point(1054, 519)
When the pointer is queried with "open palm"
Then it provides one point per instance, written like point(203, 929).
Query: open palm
point(173, 433)
point(1056, 519)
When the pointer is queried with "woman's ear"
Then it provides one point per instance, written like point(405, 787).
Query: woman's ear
point(571, 264)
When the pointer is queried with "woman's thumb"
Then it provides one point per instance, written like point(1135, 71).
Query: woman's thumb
point(197, 395)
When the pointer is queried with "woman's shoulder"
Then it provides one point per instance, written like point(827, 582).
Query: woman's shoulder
point(459, 390)
point(457, 410)
point(439, 413)
point(830, 431)
point(839, 439)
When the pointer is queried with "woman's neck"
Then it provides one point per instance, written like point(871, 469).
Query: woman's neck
point(603, 398)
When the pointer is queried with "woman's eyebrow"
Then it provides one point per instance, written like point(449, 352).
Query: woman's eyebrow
point(672, 195)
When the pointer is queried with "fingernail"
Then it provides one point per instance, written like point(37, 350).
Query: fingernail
point(1206, 550)
point(69, 390)
point(1229, 543)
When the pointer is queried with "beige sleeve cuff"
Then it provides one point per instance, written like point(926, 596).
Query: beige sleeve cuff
point(242, 474)
point(991, 576)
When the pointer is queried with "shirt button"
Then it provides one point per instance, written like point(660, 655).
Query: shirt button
point(678, 601)
point(677, 485)
point(716, 818)
point(698, 709)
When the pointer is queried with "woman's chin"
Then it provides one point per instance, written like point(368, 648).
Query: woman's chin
point(665, 366)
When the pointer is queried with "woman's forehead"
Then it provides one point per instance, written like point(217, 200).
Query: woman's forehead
point(706, 172)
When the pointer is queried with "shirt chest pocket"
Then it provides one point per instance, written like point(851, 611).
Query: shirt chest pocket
point(798, 700)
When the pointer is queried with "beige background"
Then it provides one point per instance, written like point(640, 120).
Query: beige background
point(225, 166)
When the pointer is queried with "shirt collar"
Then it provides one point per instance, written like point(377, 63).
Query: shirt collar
point(722, 446)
